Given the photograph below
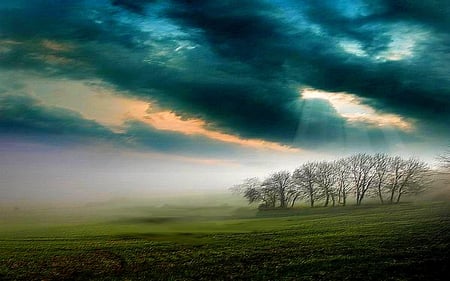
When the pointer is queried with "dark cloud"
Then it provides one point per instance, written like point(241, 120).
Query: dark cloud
point(320, 125)
point(435, 13)
point(237, 64)
point(141, 136)
point(203, 86)
point(417, 86)
point(245, 31)
point(21, 114)
point(135, 6)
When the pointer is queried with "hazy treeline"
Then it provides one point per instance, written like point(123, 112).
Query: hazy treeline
point(359, 176)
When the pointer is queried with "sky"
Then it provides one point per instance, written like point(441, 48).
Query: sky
point(117, 98)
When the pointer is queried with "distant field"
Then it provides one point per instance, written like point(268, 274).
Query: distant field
point(409, 241)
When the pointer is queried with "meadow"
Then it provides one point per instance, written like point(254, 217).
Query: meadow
point(181, 241)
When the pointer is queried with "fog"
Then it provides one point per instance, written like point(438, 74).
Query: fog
point(79, 174)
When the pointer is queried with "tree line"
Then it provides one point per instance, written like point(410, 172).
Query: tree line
point(356, 177)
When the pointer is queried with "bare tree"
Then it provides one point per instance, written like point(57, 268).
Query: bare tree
point(325, 179)
point(253, 195)
point(443, 173)
point(445, 160)
point(293, 193)
point(341, 171)
point(362, 174)
point(248, 183)
point(253, 191)
point(396, 166)
point(304, 180)
point(280, 183)
point(387, 177)
point(268, 196)
point(382, 173)
point(409, 176)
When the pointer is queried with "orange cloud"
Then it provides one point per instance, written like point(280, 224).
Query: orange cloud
point(352, 108)
point(380, 120)
point(169, 121)
point(56, 46)
point(52, 59)
point(113, 109)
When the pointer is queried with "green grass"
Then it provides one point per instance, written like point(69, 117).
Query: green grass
point(399, 242)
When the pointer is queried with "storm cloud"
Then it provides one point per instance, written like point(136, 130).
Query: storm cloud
point(241, 65)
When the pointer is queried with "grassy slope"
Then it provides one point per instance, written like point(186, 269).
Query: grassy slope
point(401, 242)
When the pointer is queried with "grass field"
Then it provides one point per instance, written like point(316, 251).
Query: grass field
point(409, 241)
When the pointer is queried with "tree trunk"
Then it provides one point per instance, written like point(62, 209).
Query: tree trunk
point(380, 194)
point(274, 201)
point(344, 198)
point(358, 200)
point(398, 197)
point(361, 197)
point(327, 200)
point(293, 201)
point(391, 200)
point(399, 194)
point(282, 199)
